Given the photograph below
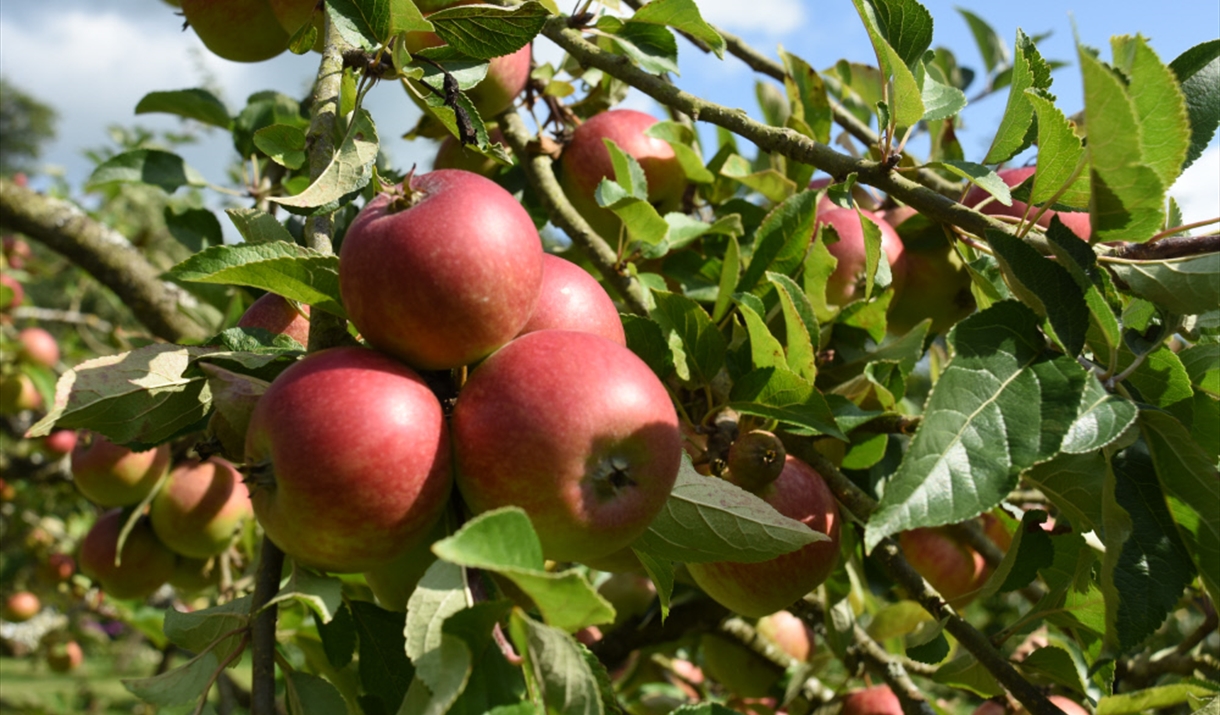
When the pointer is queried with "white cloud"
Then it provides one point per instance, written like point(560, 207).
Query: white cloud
point(776, 17)
point(1198, 188)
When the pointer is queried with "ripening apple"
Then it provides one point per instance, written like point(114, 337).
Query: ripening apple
point(877, 700)
point(935, 285)
point(788, 632)
point(442, 273)
point(955, 570)
point(38, 347)
point(237, 30)
point(112, 475)
point(60, 442)
point(65, 657)
point(200, 507)
point(146, 563)
point(194, 575)
point(277, 314)
point(1077, 221)
point(16, 252)
point(1069, 707)
point(21, 606)
point(574, 429)
point(348, 460)
point(18, 394)
point(847, 282)
point(11, 292)
point(571, 299)
point(586, 161)
point(759, 589)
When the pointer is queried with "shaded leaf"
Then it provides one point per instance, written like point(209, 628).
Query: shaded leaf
point(567, 683)
point(785, 231)
point(684, 16)
point(198, 104)
point(293, 271)
point(1198, 72)
point(702, 344)
point(1045, 286)
point(1184, 286)
point(181, 685)
point(145, 166)
point(487, 31)
point(385, 672)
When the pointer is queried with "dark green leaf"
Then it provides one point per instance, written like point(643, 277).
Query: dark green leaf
point(385, 671)
point(487, 31)
point(293, 271)
point(194, 228)
point(284, 143)
point(653, 47)
point(1185, 286)
point(148, 166)
point(906, 26)
point(1198, 71)
point(339, 637)
point(907, 23)
point(647, 340)
point(310, 695)
point(197, 630)
point(179, 686)
point(1056, 665)
point(785, 231)
point(1045, 286)
point(1030, 552)
point(1102, 419)
point(779, 394)
point(1202, 363)
point(198, 104)
point(682, 15)
point(702, 346)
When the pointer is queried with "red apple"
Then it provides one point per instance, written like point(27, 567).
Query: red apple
point(11, 292)
point(574, 429)
point(877, 700)
point(571, 299)
point(38, 347)
point(18, 394)
point(443, 274)
point(955, 570)
point(1069, 707)
point(277, 314)
point(111, 475)
point(146, 564)
point(21, 606)
point(348, 460)
point(60, 442)
point(199, 507)
point(65, 657)
point(759, 589)
point(788, 632)
point(586, 161)
point(847, 281)
point(237, 30)
point(16, 251)
point(1077, 221)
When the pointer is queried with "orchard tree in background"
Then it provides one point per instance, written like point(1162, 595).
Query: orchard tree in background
point(936, 434)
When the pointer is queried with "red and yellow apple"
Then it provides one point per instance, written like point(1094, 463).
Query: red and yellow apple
point(38, 347)
point(200, 507)
point(237, 30)
point(111, 475)
point(65, 657)
point(877, 700)
point(21, 606)
point(277, 314)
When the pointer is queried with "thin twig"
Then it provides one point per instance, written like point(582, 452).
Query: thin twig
point(262, 638)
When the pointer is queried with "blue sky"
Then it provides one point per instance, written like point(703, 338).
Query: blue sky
point(93, 61)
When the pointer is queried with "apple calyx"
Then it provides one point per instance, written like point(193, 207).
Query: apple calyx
point(260, 475)
point(755, 460)
point(404, 195)
point(610, 477)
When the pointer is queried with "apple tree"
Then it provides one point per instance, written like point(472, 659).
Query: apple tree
point(937, 433)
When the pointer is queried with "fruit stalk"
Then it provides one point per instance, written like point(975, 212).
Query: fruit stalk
point(539, 172)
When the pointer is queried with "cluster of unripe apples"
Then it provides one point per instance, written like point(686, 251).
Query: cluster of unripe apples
point(192, 517)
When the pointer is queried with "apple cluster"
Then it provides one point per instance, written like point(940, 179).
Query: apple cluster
point(189, 514)
point(351, 457)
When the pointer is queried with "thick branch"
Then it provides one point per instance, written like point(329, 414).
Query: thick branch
point(542, 180)
point(888, 554)
point(105, 254)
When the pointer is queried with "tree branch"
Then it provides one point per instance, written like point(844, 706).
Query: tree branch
point(542, 180)
point(106, 255)
point(647, 630)
point(1172, 247)
point(262, 632)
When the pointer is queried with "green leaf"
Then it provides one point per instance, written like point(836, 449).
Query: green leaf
point(198, 104)
point(1056, 665)
point(785, 232)
point(441, 675)
point(682, 139)
point(145, 166)
point(1189, 480)
point(877, 267)
point(1162, 381)
point(310, 695)
point(1161, 698)
point(339, 637)
point(991, 46)
point(1045, 286)
point(941, 100)
point(684, 16)
point(385, 672)
point(807, 97)
point(442, 592)
point(1030, 552)
point(1080, 260)
point(558, 666)
point(906, 26)
point(1128, 201)
point(321, 593)
point(707, 519)
point(1202, 363)
point(887, 21)
point(765, 349)
point(646, 339)
point(1184, 286)
point(652, 47)
point(661, 571)
point(1159, 106)
point(137, 399)
point(773, 185)
point(1198, 72)
point(197, 630)
point(258, 226)
point(1101, 420)
point(293, 271)
point(284, 143)
point(194, 228)
point(730, 271)
point(1002, 404)
point(980, 176)
point(1143, 581)
point(967, 673)
point(349, 170)
point(800, 326)
point(701, 343)
point(504, 541)
point(779, 394)
point(487, 31)
point(1017, 131)
point(1073, 599)
point(362, 23)
point(179, 686)
point(1060, 156)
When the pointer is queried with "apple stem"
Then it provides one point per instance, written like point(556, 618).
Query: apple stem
point(259, 476)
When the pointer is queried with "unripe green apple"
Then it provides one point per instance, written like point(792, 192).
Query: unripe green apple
point(146, 562)
point(348, 459)
point(586, 161)
point(935, 285)
point(200, 507)
point(237, 30)
point(630, 593)
point(759, 589)
point(877, 700)
point(574, 429)
point(18, 394)
point(740, 670)
point(111, 475)
point(571, 299)
point(393, 583)
point(65, 657)
point(277, 314)
point(21, 606)
point(38, 347)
